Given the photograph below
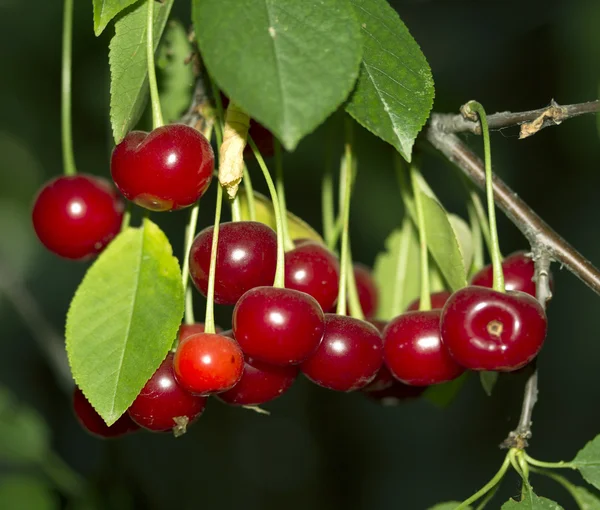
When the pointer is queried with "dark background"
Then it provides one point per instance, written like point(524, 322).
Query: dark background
point(318, 449)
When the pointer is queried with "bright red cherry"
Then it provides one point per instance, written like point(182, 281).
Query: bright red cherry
point(208, 363)
point(186, 330)
point(488, 330)
point(312, 268)
point(367, 290)
point(167, 169)
point(165, 405)
point(246, 258)
point(349, 356)
point(91, 421)
point(77, 216)
point(260, 383)
point(278, 326)
point(414, 352)
point(438, 300)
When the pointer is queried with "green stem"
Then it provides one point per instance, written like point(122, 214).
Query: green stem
point(236, 209)
point(425, 300)
point(483, 223)
point(287, 240)
point(209, 320)
point(571, 488)
point(280, 267)
point(65, 478)
point(66, 88)
point(356, 310)
point(189, 306)
point(478, 258)
point(249, 189)
point(488, 497)
point(157, 118)
point(550, 465)
point(488, 486)
point(126, 218)
point(190, 233)
point(327, 202)
point(495, 246)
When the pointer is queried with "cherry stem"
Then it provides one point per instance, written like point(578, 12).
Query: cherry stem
point(548, 465)
point(126, 218)
point(498, 275)
point(280, 267)
point(287, 240)
point(425, 300)
point(236, 208)
point(488, 486)
point(567, 485)
point(327, 202)
point(66, 88)
point(157, 118)
point(249, 190)
point(345, 194)
point(356, 310)
point(209, 320)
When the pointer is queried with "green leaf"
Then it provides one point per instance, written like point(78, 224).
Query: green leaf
point(442, 395)
point(128, 65)
point(585, 499)
point(531, 502)
point(105, 10)
point(394, 92)
point(587, 461)
point(176, 74)
point(488, 381)
point(448, 505)
point(23, 491)
point(464, 236)
point(396, 271)
point(288, 63)
point(123, 318)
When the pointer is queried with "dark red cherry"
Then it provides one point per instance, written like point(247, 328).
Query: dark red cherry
point(384, 378)
point(367, 290)
point(186, 330)
point(165, 405)
point(167, 169)
point(395, 394)
point(246, 258)
point(438, 300)
point(278, 326)
point(488, 330)
point(414, 352)
point(260, 383)
point(312, 268)
point(208, 363)
point(77, 216)
point(349, 356)
point(91, 421)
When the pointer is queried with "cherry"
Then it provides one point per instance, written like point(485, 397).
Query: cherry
point(312, 268)
point(167, 169)
point(349, 356)
point(488, 330)
point(77, 216)
point(260, 383)
point(91, 421)
point(367, 290)
point(246, 258)
point(396, 393)
point(186, 330)
point(165, 405)
point(384, 378)
point(414, 352)
point(278, 326)
point(438, 300)
point(208, 363)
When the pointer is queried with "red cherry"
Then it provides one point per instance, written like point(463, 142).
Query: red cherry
point(384, 378)
point(312, 268)
point(260, 383)
point(367, 290)
point(186, 330)
point(414, 352)
point(91, 421)
point(163, 404)
point(164, 170)
point(488, 330)
point(278, 326)
point(246, 258)
point(349, 356)
point(77, 216)
point(438, 300)
point(208, 363)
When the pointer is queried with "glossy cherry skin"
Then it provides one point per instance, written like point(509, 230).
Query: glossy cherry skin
point(278, 326)
point(186, 330)
point(368, 294)
point(488, 330)
point(260, 383)
point(167, 169)
point(349, 356)
point(163, 404)
point(246, 258)
point(438, 300)
point(208, 363)
point(91, 421)
point(414, 352)
point(76, 216)
point(384, 378)
point(312, 268)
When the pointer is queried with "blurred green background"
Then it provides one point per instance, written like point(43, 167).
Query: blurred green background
point(318, 449)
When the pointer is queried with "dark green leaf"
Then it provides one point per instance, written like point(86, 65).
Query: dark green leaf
point(531, 502)
point(26, 492)
point(588, 462)
point(585, 499)
point(448, 505)
point(105, 10)
point(488, 381)
point(442, 395)
point(288, 63)
point(128, 65)
point(123, 318)
point(394, 92)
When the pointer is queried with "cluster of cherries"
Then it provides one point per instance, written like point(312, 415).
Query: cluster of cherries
point(279, 332)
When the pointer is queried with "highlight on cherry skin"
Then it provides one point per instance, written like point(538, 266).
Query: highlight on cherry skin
point(76, 216)
point(167, 169)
